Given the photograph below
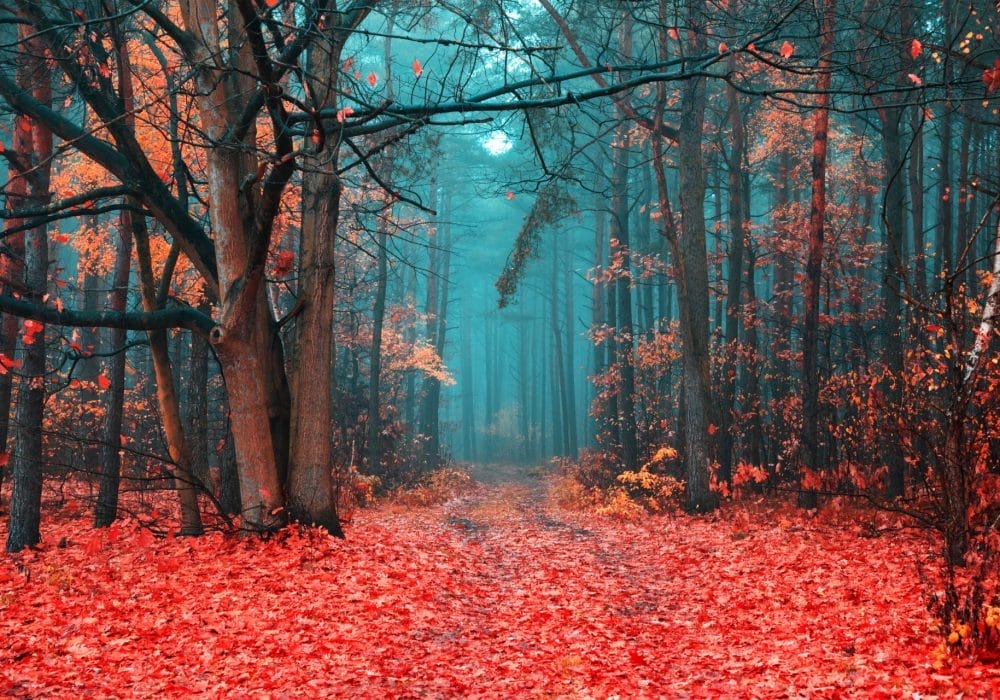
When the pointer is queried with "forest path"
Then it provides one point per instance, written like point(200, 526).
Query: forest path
point(497, 593)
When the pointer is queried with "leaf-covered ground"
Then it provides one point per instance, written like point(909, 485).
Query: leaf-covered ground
point(497, 594)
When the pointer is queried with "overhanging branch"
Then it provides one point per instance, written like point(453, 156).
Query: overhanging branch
point(177, 317)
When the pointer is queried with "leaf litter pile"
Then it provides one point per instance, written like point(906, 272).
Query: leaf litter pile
point(495, 594)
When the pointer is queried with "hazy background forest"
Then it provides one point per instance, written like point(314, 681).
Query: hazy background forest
point(280, 256)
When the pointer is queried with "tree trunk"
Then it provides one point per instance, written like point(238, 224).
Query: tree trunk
point(166, 394)
point(597, 312)
point(375, 368)
point(895, 271)
point(196, 413)
point(814, 262)
point(560, 431)
point(738, 223)
point(691, 266)
point(621, 206)
point(310, 483)
point(33, 145)
point(625, 345)
point(572, 446)
point(468, 393)
point(109, 453)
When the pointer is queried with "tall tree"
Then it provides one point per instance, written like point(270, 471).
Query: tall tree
point(31, 162)
point(814, 262)
point(691, 266)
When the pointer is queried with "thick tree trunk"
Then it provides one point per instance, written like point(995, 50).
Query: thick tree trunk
point(241, 229)
point(27, 460)
point(33, 144)
point(691, 266)
point(310, 482)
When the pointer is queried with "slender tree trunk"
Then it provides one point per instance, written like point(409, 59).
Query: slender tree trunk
point(375, 370)
point(570, 371)
point(170, 414)
point(916, 184)
point(738, 224)
point(894, 217)
point(598, 315)
point(751, 370)
point(625, 345)
point(814, 262)
point(559, 409)
point(436, 309)
point(109, 453)
point(468, 392)
point(196, 413)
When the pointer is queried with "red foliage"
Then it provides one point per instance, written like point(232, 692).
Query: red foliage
point(991, 76)
point(496, 595)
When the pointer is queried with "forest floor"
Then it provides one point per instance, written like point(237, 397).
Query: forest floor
point(496, 594)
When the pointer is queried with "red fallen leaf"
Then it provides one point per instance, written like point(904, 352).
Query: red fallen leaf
point(103, 382)
point(787, 49)
point(60, 238)
point(4, 459)
point(723, 47)
point(418, 69)
point(372, 79)
point(510, 194)
point(94, 543)
point(348, 64)
point(915, 48)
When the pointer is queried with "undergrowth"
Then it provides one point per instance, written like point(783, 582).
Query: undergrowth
point(435, 487)
point(596, 483)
